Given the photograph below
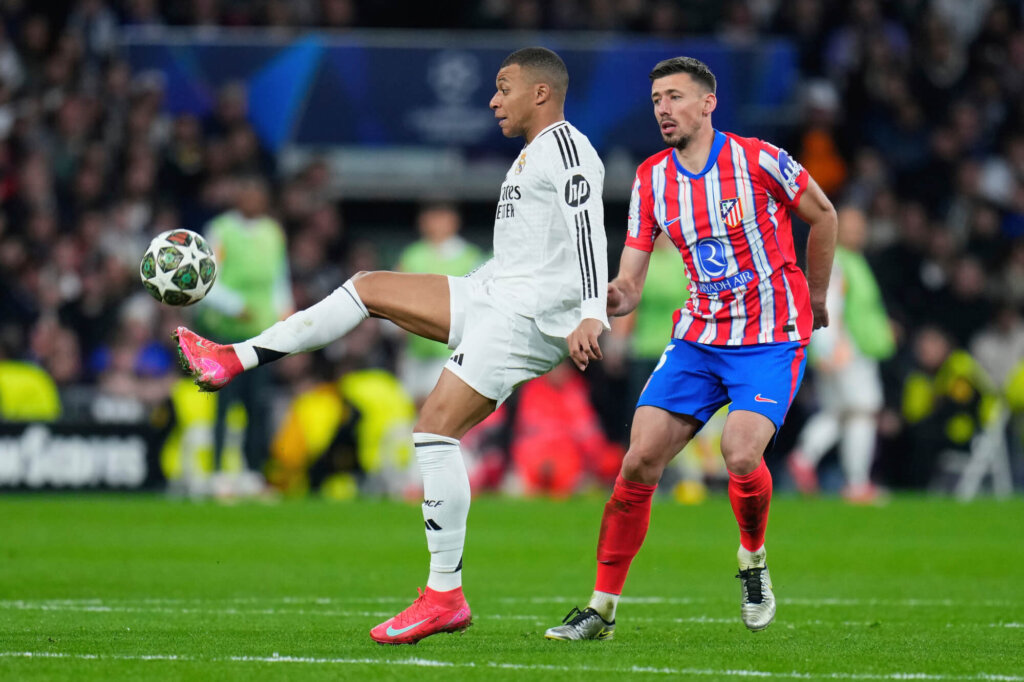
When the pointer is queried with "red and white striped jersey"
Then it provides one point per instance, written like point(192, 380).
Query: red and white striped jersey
point(731, 224)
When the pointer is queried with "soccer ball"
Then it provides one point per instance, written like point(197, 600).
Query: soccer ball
point(178, 268)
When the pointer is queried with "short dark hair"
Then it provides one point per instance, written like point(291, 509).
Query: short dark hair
point(545, 63)
point(697, 69)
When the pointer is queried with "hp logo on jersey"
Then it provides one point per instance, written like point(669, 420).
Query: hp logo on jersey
point(577, 191)
point(711, 257)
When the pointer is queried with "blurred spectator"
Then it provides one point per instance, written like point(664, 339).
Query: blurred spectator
point(914, 113)
point(253, 291)
point(135, 371)
point(969, 304)
point(818, 146)
point(346, 436)
point(999, 346)
point(947, 399)
point(315, 271)
point(230, 111)
point(845, 357)
point(27, 392)
point(96, 23)
point(558, 442)
point(142, 13)
point(440, 250)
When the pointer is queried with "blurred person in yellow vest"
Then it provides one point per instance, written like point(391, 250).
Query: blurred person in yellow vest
point(947, 399)
point(27, 393)
point(186, 456)
point(346, 437)
point(252, 292)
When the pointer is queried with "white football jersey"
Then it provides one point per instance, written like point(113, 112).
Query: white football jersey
point(550, 249)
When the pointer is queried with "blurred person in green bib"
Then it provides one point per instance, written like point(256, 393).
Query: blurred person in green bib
point(845, 357)
point(641, 334)
point(440, 250)
point(252, 292)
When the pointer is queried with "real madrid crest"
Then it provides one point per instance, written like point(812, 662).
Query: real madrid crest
point(521, 163)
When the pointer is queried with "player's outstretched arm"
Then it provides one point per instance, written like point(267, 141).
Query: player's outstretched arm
point(624, 291)
point(818, 212)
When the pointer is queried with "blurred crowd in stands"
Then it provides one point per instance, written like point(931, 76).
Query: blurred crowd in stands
point(911, 110)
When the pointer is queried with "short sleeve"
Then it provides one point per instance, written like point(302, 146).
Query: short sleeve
point(783, 175)
point(641, 228)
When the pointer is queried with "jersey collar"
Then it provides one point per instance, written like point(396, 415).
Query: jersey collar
point(556, 123)
point(716, 149)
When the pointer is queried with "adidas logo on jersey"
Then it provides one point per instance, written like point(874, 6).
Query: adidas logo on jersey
point(457, 358)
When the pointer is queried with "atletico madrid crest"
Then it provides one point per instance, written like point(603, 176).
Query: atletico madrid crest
point(732, 212)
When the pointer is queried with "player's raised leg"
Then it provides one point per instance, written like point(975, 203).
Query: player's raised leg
point(656, 437)
point(450, 410)
point(744, 440)
point(418, 303)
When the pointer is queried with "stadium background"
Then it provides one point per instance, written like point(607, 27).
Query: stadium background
point(120, 120)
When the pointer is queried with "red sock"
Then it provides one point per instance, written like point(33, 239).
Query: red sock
point(623, 528)
point(751, 496)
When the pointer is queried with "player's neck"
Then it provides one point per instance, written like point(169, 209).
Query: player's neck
point(694, 157)
point(543, 120)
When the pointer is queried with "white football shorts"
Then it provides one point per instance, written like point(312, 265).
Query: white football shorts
point(496, 350)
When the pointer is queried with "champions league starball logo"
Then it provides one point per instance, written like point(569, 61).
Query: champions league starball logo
point(455, 79)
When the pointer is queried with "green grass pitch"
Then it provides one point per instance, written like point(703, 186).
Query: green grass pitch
point(141, 587)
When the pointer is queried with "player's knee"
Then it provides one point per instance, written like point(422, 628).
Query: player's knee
point(436, 418)
point(643, 466)
point(366, 285)
point(741, 459)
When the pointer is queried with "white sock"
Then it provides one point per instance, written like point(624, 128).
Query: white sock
point(748, 559)
point(446, 496)
point(318, 325)
point(605, 604)
point(858, 448)
point(817, 437)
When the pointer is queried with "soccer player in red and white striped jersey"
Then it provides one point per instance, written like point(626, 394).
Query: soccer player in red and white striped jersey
point(725, 202)
point(732, 227)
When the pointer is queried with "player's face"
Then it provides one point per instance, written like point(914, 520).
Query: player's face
point(513, 101)
point(681, 106)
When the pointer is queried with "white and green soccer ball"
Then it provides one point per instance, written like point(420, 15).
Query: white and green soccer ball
point(178, 268)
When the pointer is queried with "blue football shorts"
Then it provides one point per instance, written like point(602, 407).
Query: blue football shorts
point(696, 379)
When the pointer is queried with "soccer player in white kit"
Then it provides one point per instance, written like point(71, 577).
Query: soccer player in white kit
point(540, 298)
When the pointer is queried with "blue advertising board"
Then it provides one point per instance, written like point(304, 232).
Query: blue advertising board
point(404, 89)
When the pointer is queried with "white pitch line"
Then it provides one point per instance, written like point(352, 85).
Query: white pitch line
point(794, 601)
point(430, 663)
point(663, 601)
point(97, 606)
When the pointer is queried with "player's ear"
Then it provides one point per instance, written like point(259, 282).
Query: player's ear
point(541, 93)
point(710, 102)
